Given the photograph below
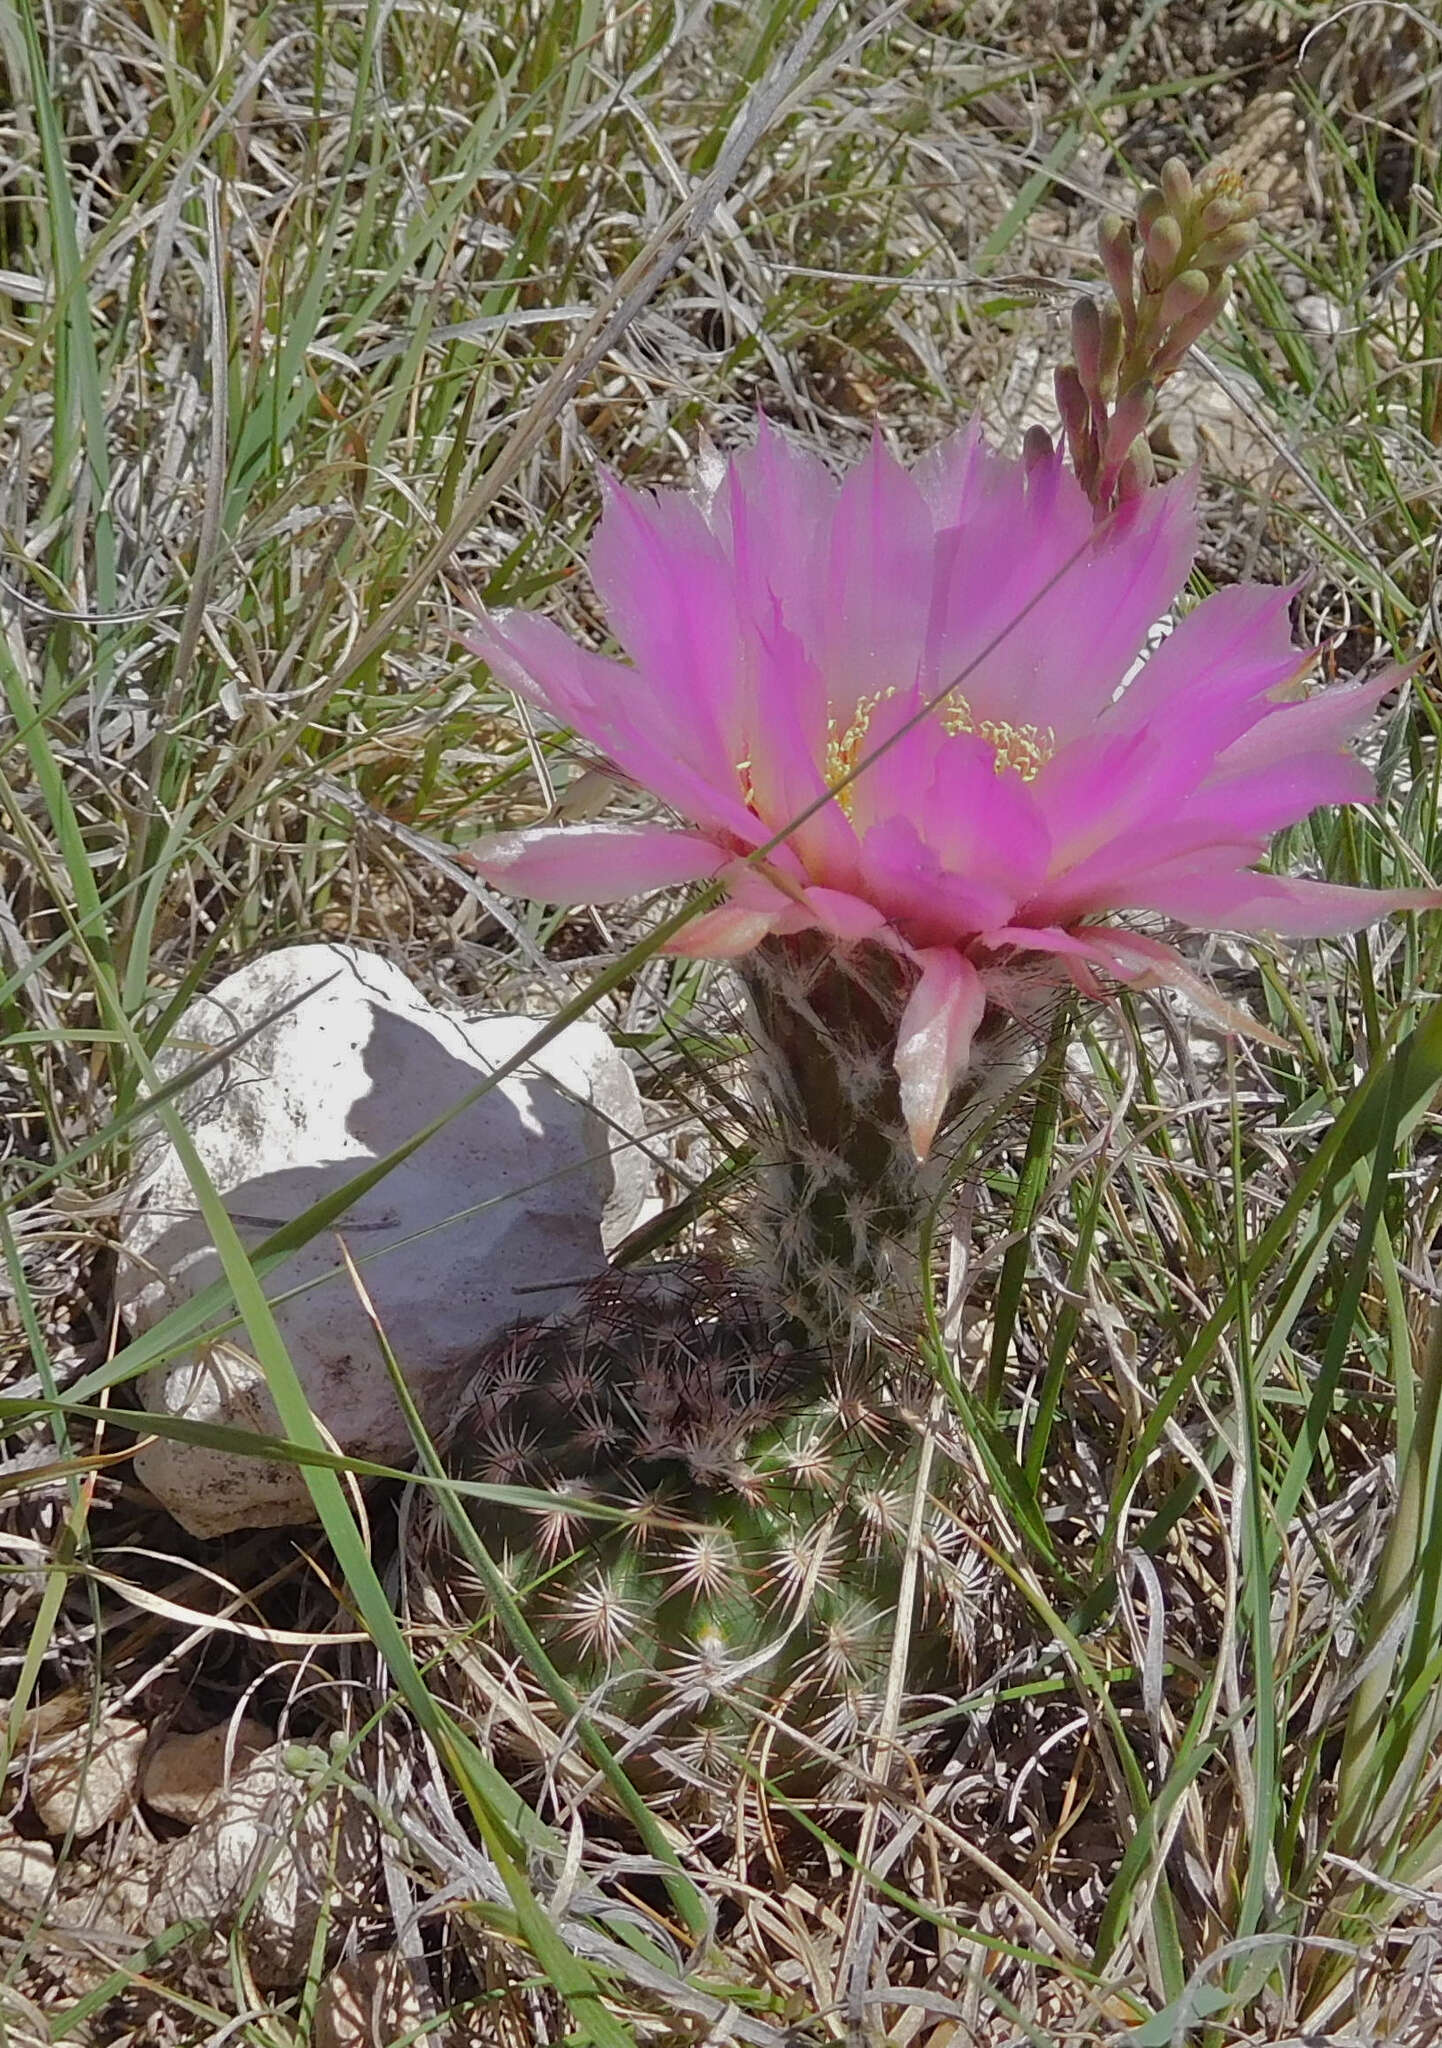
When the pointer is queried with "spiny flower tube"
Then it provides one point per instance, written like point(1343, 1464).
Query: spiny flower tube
point(902, 718)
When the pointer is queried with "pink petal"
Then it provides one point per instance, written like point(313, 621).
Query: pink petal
point(963, 481)
point(933, 1040)
point(722, 934)
point(772, 514)
point(533, 657)
point(1093, 593)
point(1318, 723)
point(901, 874)
point(981, 823)
point(1239, 814)
point(1291, 909)
point(1230, 651)
point(667, 587)
point(786, 755)
point(1112, 797)
point(616, 709)
point(593, 863)
point(877, 583)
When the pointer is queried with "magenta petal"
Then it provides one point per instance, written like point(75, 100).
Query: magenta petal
point(1287, 908)
point(933, 1039)
point(593, 863)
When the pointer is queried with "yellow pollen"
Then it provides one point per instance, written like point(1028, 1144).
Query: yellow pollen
point(1022, 750)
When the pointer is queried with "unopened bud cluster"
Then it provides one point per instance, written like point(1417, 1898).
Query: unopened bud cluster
point(1168, 274)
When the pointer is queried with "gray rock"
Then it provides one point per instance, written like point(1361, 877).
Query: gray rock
point(525, 1190)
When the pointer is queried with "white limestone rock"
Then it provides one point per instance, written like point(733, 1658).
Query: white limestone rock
point(279, 1847)
point(373, 1997)
point(188, 1774)
point(87, 1777)
point(526, 1189)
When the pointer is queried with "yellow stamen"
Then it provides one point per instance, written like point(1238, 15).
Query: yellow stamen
point(1022, 750)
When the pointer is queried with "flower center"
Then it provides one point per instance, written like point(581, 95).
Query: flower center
point(1022, 750)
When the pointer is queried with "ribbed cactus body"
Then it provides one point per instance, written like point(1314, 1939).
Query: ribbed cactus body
point(745, 1597)
point(842, 1196)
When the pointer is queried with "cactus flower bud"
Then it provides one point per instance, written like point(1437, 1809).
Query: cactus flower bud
point(1177, 187)
point(1036, 447)
point(1086, 344)
point(1221, 251)
point(1134, 409)
point(1137, 474)
point(1164, 248)
point(1217, 214)
point(1189, 328)
point(1113, 339)
point(1183, 296)
point(1071, 403)
point(1114, 241)
point(1151, 206)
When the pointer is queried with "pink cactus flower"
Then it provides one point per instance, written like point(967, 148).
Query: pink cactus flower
point(913, 700)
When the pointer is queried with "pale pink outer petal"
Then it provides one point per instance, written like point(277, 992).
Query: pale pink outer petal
point(725, 933)
point(1029, 938)
point(670, 600)
point(845, 916)
point(877, 584)
point(933, 1039)
point(593, 863)
point(616, 709)
point(1281, 905)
